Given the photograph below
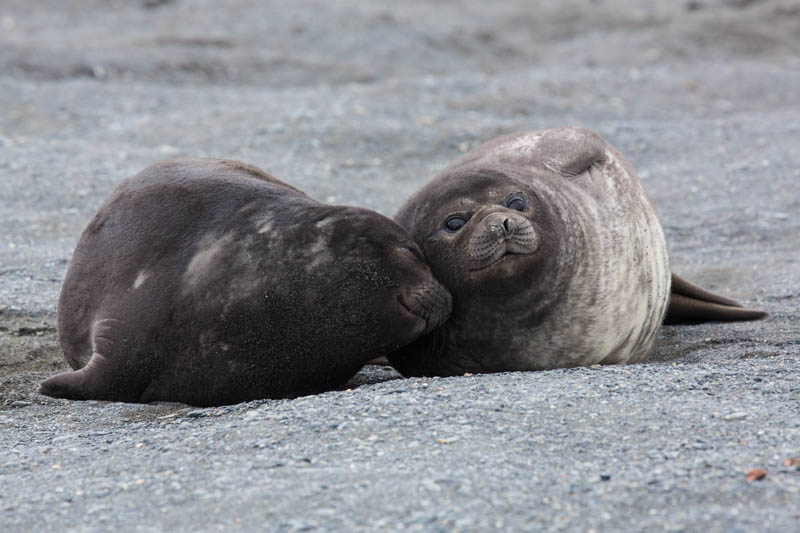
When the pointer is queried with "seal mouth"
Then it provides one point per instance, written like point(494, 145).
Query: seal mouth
point(502, 257)
point(491, 263)
point(430, 305)
point(410, 306)
point(420, 322)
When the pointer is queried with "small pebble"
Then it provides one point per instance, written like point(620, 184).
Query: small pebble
point(756, 474)
point(736, 416)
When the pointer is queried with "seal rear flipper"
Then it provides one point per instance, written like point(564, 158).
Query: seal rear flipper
point(690, 304)
point(98, 380)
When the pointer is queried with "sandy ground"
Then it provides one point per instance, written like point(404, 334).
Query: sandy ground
point(359, 103)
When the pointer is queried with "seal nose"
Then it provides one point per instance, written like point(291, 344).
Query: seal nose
point(500, 224)
point(501, 233)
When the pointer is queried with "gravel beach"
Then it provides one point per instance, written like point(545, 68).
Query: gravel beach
point(360, 103)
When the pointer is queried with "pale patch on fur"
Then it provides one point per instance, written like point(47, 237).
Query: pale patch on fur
point(203, 260)
point(520, 145)
point(324, 222)
point(265, 226)
point(320, 246)
point(233, 260)
point(466, 202)
point(319, 253)
point(521, 149)
point(140, 278)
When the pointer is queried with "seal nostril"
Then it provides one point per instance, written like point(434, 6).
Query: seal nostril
point(506, 224)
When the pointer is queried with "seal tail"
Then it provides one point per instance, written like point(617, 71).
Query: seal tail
point(690, 304)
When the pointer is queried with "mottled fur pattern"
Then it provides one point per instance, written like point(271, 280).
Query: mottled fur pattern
point(210, 282)
point(594, 290)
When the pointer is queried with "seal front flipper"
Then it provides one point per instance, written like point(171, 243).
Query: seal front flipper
point(690, 304)
point(568, 152)
point(98, 380)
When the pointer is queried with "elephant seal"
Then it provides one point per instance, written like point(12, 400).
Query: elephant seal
point(553, 254)
point(210, 282)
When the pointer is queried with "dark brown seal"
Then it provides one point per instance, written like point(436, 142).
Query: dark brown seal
point(210, 282)
point(553, 253)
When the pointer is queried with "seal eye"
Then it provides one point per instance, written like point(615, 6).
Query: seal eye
point(516, 202)
point(453, 223)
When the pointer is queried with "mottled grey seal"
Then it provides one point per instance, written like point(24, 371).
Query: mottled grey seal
point(210, 282)
point(554, 256)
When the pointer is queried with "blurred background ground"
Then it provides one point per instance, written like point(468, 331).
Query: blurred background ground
point(360, 103)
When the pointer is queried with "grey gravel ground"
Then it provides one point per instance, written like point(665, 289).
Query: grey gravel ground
point(359, 103)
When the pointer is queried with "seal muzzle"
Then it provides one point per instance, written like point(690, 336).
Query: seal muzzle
point(498, 234)
point(431, 302)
